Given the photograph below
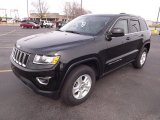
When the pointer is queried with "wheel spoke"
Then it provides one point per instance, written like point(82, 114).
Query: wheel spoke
point(86, 80)
point(79, 80)
point(75, 90)
point(82, 86)
point(80, 94)
point(87, 88)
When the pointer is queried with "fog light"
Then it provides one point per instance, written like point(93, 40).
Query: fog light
point(43, 80)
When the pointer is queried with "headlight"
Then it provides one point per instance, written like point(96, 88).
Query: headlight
point(46, 59)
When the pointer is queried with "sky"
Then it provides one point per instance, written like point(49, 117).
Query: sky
point(147, 9)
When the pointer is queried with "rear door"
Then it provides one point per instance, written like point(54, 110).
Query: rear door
point(135, 39)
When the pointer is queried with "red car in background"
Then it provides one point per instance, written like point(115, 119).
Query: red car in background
point(29, 25)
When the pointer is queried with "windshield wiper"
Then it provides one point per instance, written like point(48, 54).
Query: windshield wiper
point(70, 31)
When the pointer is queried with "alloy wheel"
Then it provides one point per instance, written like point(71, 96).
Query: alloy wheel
point(82, 86)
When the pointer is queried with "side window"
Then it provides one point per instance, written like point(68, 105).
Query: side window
point(143, 25)
point(122, 24)
point(134, 26)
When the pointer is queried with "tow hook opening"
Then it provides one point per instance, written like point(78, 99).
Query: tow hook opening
point(43, 80)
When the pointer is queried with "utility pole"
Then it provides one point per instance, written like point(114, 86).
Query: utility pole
point(81, 7)
point(40, 9)
point(158, 15)
point(27, 10)
point(157, 18)
point(67, 7)
point(5, 14)
point(11, 13)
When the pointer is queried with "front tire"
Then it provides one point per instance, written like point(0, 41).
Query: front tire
point(79, 85)
point(141, 59)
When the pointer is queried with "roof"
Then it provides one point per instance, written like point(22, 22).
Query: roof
point(114, 15)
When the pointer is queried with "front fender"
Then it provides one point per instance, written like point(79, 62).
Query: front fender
point(78, 61)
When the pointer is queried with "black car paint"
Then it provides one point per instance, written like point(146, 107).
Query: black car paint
point(76, 49)
point(52, 41)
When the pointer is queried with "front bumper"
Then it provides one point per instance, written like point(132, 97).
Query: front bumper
point(29, 78)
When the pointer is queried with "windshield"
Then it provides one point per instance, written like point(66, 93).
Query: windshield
point(90, 25)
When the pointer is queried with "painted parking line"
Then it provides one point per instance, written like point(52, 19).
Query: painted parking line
point(8, 33)
point(6, 47)
point(3, 71)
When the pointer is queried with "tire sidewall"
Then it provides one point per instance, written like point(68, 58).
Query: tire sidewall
point(73, 76)
point(140, 55)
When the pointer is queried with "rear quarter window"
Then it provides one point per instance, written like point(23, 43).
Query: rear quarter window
point(134, 26)
point(143, 25)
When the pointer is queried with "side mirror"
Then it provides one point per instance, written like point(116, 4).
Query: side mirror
point(117, 32)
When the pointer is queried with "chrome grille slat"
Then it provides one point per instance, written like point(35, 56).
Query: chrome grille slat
point(23, 60)
point(20, 57)
point(15, 53)
point(17, 56)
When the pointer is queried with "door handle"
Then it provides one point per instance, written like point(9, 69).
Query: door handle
point(128, 38)
point(141, 36)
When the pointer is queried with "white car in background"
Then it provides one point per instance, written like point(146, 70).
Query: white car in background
point(47, 24)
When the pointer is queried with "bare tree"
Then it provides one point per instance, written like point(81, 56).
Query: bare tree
point(41, 8)
point(67, 9)
point(73, 10)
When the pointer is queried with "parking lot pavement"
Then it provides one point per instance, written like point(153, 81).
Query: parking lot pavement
point(8, 36)
point(126, 94)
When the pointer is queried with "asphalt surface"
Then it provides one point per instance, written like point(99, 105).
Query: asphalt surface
point(125, 94)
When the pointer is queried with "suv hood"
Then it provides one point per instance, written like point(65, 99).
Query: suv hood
point(52, 41)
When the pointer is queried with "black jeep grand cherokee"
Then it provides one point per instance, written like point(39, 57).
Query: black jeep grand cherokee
point(67, 62)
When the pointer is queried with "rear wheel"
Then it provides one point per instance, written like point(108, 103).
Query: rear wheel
point(79, 85)
point(141, 59)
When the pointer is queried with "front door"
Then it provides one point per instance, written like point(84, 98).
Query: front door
point(116, 47)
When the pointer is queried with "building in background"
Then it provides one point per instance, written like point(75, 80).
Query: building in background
point(54, 17)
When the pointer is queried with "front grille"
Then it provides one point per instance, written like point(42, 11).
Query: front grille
point(20, 57)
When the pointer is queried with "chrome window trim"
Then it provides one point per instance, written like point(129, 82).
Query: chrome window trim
point(127, 17)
